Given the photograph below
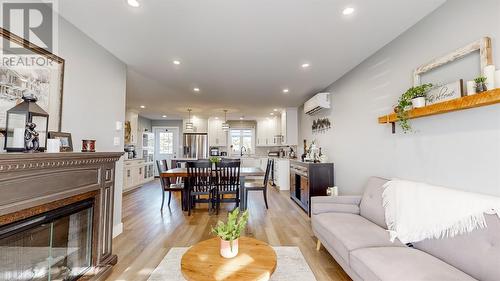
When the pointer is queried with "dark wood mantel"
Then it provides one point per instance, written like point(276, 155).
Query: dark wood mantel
point(34, 183)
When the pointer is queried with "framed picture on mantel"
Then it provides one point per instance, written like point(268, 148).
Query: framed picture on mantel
point(35, 70)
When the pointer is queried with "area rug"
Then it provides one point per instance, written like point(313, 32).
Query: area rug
point(291, 266)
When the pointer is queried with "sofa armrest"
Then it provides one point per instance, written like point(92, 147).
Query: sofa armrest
point(335, 204)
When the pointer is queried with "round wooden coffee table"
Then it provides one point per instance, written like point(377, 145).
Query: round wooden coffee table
point(256, 261)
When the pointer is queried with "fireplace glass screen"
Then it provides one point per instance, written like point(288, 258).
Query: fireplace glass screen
point(52, 246)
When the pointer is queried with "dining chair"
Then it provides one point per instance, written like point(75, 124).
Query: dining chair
point(227, 182)
point(200, 183)
point(166, 184)
point(254, 185)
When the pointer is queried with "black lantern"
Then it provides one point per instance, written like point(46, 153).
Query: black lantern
point(20, 120)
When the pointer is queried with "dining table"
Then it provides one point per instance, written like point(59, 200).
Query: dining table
point(244, 172)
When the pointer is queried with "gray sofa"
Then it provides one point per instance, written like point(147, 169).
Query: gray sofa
point(353, 230)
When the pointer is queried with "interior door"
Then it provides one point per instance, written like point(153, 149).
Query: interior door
point(166, 144)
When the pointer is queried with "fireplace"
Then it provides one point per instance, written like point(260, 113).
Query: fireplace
point(56, 216)
point(55, 245)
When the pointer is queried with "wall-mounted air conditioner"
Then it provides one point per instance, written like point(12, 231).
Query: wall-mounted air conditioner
point(317, 103)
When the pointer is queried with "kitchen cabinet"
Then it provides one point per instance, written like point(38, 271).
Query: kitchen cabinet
point(282, 173)
point(136, 173)
point(308, 180)
point(216, 135)
point(268, 132)
point(200, 125)
point(250, 162)
point(289, 126)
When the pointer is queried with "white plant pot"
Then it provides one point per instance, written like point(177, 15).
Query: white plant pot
point(226, 251)
point(418, 102)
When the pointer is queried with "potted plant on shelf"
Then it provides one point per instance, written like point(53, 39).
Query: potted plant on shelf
point(481, 84)
point(230, 232)
point(414, 97)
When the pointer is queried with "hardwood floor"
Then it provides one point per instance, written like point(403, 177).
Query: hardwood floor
point(148, 235)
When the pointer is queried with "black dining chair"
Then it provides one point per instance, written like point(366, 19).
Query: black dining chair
point(200, 182)
point(252, 186)
point(227, 181)
point(166, 183)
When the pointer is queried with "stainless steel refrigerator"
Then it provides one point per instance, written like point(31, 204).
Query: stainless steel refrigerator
point(195, 145)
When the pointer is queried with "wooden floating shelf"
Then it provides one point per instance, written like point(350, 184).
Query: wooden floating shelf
point(477, 100)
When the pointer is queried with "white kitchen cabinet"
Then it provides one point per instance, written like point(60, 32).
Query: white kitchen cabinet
point(216, 135)
point(268, 132)
point(200, 125)
point(136, 173)
point(263, 163)
point(250, 162)
point(282, 173)
point(289, 126)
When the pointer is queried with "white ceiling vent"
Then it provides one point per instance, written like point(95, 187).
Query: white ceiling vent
point(317, 103)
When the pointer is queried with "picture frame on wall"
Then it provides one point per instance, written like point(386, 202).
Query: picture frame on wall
point(64, 138)
point(37, 71)
point(453, 90)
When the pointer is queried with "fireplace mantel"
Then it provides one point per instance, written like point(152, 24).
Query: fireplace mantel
point(34, 183)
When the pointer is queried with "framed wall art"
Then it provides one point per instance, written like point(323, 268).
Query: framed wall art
point(482, 45)
point(453, 90)
point(36, 71)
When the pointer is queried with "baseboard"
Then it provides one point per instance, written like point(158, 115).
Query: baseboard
point(117, 229)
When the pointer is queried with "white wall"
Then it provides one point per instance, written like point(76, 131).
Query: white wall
point(94, 98)
point(460, 149)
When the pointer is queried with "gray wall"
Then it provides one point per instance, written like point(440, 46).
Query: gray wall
point(459, 149)
point(144, 125)
point(94, 98)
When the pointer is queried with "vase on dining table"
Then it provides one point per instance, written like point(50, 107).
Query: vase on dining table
point(228, 249)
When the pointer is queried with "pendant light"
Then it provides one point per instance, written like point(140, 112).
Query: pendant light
point(189, 124)
point(225, 125)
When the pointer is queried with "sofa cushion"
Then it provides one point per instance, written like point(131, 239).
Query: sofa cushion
point(476, 253)
point(398, 263)
point(371, 204)
point(347, 232)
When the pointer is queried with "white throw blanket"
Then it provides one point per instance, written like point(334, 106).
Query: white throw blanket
point(416, 211)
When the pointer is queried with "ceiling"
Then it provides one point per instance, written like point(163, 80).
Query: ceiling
point(241, 54)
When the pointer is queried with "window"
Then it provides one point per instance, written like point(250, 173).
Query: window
point(241, 137)
point(166, 142)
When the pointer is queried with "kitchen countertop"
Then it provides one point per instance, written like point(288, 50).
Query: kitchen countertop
point(134, 159)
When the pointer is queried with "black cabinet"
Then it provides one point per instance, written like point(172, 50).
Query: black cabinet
point(309, 179)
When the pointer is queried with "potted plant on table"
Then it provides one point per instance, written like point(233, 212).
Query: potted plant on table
point(230, 232)
point(481, 84)
point(414, 97)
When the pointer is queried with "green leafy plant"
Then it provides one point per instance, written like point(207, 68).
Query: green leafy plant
point(480, 79)
point(231, 230)
point(404, 103)
point(214, 159)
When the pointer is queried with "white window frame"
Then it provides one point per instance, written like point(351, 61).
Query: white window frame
point(230, 140)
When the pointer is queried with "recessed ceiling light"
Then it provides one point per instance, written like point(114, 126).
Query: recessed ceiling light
point(196, 89)
point(305, 65)
point(164, 116)
point(348, 11)
point(133, 3)
point(275, 109)
point(216, 118)
point(176, 62)
point(142, 106)
point(285, 91)
point(272, 113)
point(241, 118)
